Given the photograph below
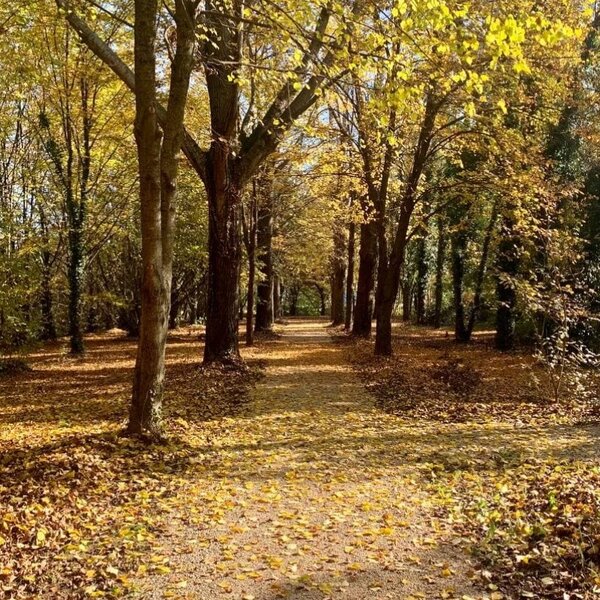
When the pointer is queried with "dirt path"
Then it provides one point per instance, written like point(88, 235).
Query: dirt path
point(308, 496)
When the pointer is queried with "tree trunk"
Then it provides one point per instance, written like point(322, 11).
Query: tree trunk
point(406, 300)
point(338, 276)
point(277, 304)
point(505, 319)
point(224, 261)
point(422, 273)
point(77, 213)
point(388, 278)
point(145, 414)
point(365, 289)
point(388, 281)
point(294, 292)
point(48, 326)
point(439, 275)
point(458, 245)
point(63, 160)
point(265, 288)
point(323, 309)
point(158, 164)
point(75, 285)
point(507, 267)
point(46, 303)
point(148, 383)
point(249, 227)
point(174, 309)
point(350, 277)
point(250, 300)
point(337, 296)
point(476, 307)
point(223, 181)
point(383, 337)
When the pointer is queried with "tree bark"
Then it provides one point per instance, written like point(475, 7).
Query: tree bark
point(422, 275)
point(365, 289)
point(224, 261)
point(158, 164)
point(77, 215)
point(458, 246)
point(277, 304)
point(294, 292)
point(321, 291)
point(485, 251)
point(223, 182)
point(75, 270)
point(145, 414)
point(48, 325)
point(75, 204)
point(46, 301)
point(388, 279)
point(338, 275)
point(439, 274)
point(406, 289)
point(175, 307)
point(389, 282)
point(250, 302)
point(350, 276)
point(507, 268)
point(265, 287)
point(250, 225)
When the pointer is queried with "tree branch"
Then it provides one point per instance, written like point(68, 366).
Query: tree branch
point(195, 155)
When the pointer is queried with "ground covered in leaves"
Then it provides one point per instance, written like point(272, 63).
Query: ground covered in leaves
point(81, 506)
point(289, 480)
point(516, 472)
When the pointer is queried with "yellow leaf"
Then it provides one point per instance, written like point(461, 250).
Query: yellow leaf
point(40, 536)
point(163, 569)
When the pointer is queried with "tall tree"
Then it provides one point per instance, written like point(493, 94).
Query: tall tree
point(71, 158)
point(158, 152)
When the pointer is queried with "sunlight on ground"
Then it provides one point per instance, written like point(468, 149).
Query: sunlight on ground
point(307, 491)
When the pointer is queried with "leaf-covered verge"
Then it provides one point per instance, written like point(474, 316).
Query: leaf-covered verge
point(81, 506)
point(516, 475)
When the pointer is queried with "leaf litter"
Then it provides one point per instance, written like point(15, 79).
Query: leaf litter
point(515, 473)
point(295, 485)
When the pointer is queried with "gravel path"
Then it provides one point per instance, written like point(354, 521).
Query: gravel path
point(309, 495)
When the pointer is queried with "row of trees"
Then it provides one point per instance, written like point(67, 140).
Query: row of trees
point(379, 123)
point(455, 174)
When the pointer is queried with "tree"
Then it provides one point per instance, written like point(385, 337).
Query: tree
point(71, 158)
point(158, 171)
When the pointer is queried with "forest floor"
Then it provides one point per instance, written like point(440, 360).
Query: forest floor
point(449, 475)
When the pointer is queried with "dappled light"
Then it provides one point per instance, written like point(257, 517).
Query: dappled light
point(299, 299)
point(348, 500)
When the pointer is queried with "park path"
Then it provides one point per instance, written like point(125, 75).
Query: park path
point(308, 495)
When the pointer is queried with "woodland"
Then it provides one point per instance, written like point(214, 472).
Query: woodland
point(299, 299)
